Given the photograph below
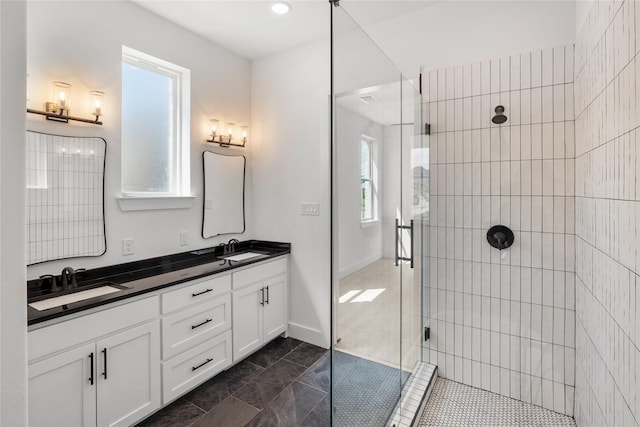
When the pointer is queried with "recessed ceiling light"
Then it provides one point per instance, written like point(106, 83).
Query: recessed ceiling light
point(280, 8)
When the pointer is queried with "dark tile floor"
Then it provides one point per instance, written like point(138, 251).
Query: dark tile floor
point(286, 383)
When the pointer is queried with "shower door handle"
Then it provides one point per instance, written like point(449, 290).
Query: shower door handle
point(397, 241)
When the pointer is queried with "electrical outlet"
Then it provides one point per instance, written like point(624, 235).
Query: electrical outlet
point(310, 208)
point(184, 238)
point(127, 246)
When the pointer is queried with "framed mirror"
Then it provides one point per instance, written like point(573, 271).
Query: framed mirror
point(223, 210)
point(64, 197)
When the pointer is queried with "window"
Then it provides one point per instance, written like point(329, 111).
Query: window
point(155, 127)
point(368, 180)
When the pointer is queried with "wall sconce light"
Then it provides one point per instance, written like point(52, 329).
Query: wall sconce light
point(60, 99)
point(57, 109)
point(96, 103)
point(245, 132)
point(214, 130)
point(230, 127)
point(226, 139)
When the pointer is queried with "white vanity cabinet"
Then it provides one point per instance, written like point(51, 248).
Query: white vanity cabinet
point(196, 334)
point(100, 369)
point(115, 366)
point(259, 306)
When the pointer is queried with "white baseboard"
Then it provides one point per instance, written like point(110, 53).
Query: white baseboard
point(307, 334)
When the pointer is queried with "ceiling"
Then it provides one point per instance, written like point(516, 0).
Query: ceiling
point(383, 104)
point(249, 28)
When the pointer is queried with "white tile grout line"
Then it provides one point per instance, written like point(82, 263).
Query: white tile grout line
point(415, 396)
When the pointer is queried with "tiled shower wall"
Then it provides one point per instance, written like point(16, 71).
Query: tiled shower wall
point(608, 216)
point(504, 324)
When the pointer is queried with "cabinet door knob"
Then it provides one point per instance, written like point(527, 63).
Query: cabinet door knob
point(262, 296)
point(267, 288)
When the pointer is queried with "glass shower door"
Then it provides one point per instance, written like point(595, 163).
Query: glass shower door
point(375, 252)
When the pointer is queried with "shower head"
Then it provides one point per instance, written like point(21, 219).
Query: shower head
point(499, 118)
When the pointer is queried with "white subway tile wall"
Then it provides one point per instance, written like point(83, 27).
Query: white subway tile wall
point(504, 324)
point(607, 226)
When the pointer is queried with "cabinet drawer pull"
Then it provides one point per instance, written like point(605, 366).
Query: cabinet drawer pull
point(202, 323)
point(104, 374)
point(262, 296)
point(267, 301)
point(91, 362)
point(202, 292)
point(201, 365)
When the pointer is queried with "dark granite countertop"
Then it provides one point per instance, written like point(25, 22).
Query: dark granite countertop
point(140, 277)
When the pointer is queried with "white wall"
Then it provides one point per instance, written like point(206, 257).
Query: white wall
point(459, 32)
point(505, 325)
point(290, 120)
point(608, 216)
point(357, 246)
point(13, 308)
point(80, 43)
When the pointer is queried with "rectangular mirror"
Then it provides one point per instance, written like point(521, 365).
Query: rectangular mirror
point(223, 194)
point(65, 197)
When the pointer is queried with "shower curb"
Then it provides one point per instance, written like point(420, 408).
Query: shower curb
point(414, 396)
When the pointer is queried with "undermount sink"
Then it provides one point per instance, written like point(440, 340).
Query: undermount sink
point(243, 256)
point(78, 296)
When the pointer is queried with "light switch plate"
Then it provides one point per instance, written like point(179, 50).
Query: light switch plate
point(310, 208)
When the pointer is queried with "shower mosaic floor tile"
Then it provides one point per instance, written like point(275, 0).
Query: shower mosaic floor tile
point(453, 404)
point(364, 392)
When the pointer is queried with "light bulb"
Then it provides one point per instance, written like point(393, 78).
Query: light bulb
point(61, 94)
point(245, 130)
point(230, 127)
point(96, 97)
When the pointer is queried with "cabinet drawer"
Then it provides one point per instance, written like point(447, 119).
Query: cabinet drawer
point(259, 273)
point(195, 366)
point(195, 293)
point(195, 325)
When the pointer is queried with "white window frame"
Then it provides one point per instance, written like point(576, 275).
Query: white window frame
point(373, 179)
point(179, 195)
